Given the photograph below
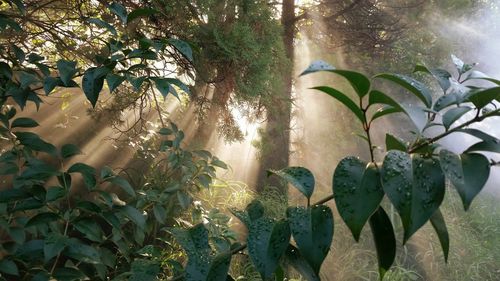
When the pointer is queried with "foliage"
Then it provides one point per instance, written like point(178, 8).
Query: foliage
point(412, 174)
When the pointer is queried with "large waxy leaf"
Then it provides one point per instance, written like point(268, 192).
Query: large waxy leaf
point(416, 87)
point(385, 241)
point(442, 76)
point(345, 100)
point(67, 69)
point(453, 115)
point(358, 81)
point(92, 83)
point(297, 261)
point(415, 186)
point(482, 98)
point(467, 172)
point(312, 230)
point(8, 267)
point(202, 265)
point(299, 177)
point(358, 192)
point(439, 226)
point(267, 241)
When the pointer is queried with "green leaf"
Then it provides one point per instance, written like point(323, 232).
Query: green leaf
point(90, 228)
point(439, 226)
point(312, 230)
point(49, 84)
point(92, 83)
point(141, 12)
point(68, 274)
point(144, 270)
point(136, 82)
point(124, 184)
point(13, 194)
point(69, 150)
point(267, 242)
point(8, 267)
point(294, 259)
point(377, 97)
point(490, 146)
point(119, 10)
point(467, 172)
point(255, 210)
point(447, 100)
point(164, 87)
point(459, 64)
point(394, 143)
point(82, 252)
point(184, 199)
point(24, 122)
point(415, 186)
point(416, 87)
point(113, 81)
point(20, 6)
point(442, 76)
point(479, 75)
point(88, 173)
point(7, 22)
point(316, 66)
point(54, 193)
point(34, 142)
point(479, 134)
point(42, 218)
point(345, 100)
point(195, 242)
point(53, 245)
point(483, 97)
point(358, 192)
point(27, 80)
point(160, 213)
point(300, 177)
point(386, 110)
point(385, 241)
point(67, 69)
point(134, 215)
point(182, 47)
point(453, 115)
point(20, 55)
point(103, 24)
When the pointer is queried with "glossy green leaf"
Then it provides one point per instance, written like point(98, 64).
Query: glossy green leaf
point(490, 146)
point(103, 24)
point(68, 274)
point(316, 66)
point(467, 172)
point(255, 210)
point(312, 230)
point(483, 97)
point(88, 173)
point(358, 192)
point(24, 122)
point(297, 261)
point(394, 143)
point(144, 270)
point(92, 84)
point(442, 76)
point(437, 221)
point(134, 215)
point(416, 87)
point(299, 177)
point(54, 193)
point(113, 81)
point(386, 110)
point(345, 100)
point(479, 134)
point(164, 87)
point(8, 267)
point(82, 252)
point(415, 186)
point(481, 76)
point(89, 228)
point(34, 142)
point(378, 97)
point(136, 82)
point(20, 55)
point(67, 69)
point(385, 241)
point(447, 100)
point(267, 242)
point(452, 115)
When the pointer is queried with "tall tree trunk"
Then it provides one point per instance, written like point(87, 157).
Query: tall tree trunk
point(277, 138)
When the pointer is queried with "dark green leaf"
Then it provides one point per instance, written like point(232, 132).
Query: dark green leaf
point(124, 184)
point(490, 146)
point(42, 218)
point(294, 259)
point(119, 10)
point(447, 100)
point(54, 193)
point(134, 215)
point(68, 274)
point(54, 244)
point(358, 192)
point(24, 122)
point(136, 82)
point(34, 142)
point(442, 76)
point(267, 242)
point(20, 55)
point(412, 85)
point(164, 87)
point(82, 252)
point(467, 172)
point(300, 177)
point(67, 69)
point(255, 210)
point(312, 230)
point(483, 97)
point(316, 66)
point(12, 194)
point(345, 100)
point(144, 270)
point(439, 226)
point(415, 186)
point(385, 241)
point(182, 47)
point(49, 83)
point(90, 229)
point(88, 173)
point(8, 267)
point(114, 81)
point(103, 24)
point(479, 75)
point(386, 110)
point(92, 83)
point(141, 12)
point(160, 213)
point(394, 143)
point(69, 150)
point(453, 115)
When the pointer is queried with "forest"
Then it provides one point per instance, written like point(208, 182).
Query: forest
point(214, 140)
